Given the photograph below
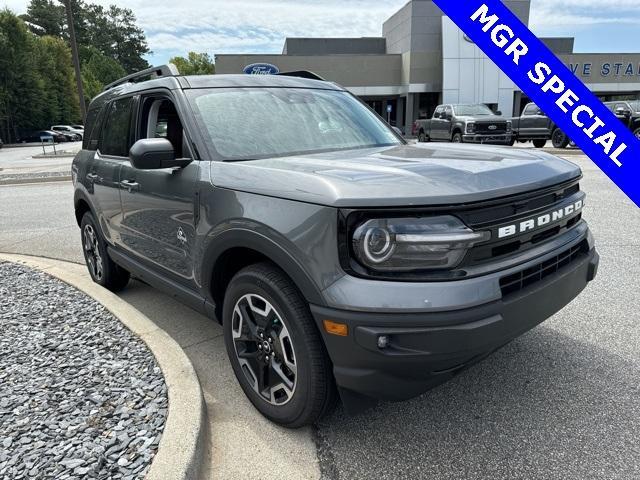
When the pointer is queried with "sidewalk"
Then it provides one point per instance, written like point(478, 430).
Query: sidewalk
point(22, 165)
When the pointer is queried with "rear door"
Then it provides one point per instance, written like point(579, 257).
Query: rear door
point(160, 206)
point(103, 175)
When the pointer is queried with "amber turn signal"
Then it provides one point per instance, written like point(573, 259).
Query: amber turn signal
point(335, 328)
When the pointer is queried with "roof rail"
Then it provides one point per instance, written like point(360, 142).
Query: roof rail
point(302, 74)
point(169, 70)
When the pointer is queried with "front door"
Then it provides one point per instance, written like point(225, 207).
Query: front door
point(534, 123)
point(158, 206)
point(103, 172)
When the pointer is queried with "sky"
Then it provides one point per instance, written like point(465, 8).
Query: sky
point(260, 26)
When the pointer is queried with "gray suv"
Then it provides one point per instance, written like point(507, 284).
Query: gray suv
point(341, 261)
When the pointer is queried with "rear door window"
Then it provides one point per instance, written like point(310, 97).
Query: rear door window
point(116, 135)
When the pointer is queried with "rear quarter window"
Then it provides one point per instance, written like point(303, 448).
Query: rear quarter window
point(92, 131)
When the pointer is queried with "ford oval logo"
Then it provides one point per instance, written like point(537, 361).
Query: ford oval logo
point(493, 127)
point(261, 69)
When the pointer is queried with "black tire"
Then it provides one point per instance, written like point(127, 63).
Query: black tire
point(102, 269)
point(539, 143)
point(512, 142)
point(422, 137)
point(637, 133)
point(457, 138)
point(290, 336)
point(559, 139)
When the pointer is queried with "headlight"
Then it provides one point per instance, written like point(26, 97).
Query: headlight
point(406, 244)
point(471, 127)
point(509, 126)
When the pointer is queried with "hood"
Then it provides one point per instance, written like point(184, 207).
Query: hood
point(482, 118)
point(404, 175)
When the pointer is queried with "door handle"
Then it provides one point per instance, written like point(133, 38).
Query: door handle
point(92, 177)
point(130, 185)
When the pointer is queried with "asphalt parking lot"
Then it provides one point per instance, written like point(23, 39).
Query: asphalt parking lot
point(563, 401)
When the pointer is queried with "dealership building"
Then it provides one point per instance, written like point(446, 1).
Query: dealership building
point(422, 60)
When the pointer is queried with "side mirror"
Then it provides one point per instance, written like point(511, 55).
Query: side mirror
point(155, 154)
point(498, 113)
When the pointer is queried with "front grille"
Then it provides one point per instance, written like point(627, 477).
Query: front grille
point(518, 281)
point(491, 219)
point(485, 128)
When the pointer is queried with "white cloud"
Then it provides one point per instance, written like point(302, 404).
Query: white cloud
point(548, 16)
point(220, 26)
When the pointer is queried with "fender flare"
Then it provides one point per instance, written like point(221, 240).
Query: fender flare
point(245, 238)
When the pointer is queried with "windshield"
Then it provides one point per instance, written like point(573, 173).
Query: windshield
point(472, 110)
point(252, 123)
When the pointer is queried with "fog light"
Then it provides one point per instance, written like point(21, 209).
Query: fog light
point(383, 342)
point(335, 328)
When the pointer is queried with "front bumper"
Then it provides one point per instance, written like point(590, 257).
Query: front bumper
point(503, 138)
point(426, 349)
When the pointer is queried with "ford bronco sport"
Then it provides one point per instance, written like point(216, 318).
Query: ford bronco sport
point(339, 259)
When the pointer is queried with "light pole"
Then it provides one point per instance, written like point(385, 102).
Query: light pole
point(76, 59)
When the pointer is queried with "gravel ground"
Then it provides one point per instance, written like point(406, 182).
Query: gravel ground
point(80, 395)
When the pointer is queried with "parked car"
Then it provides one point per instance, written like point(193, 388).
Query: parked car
point(69, 130)
point(464, 124)
point(534, 125)
point(38, 135)
point(338, 261)
point(628, 112)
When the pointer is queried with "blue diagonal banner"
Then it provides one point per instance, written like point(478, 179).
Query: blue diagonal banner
point(503, 37)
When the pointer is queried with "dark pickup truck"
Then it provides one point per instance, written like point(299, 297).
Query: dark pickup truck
point(628, 112)
point(465, 124)
point(534, 126)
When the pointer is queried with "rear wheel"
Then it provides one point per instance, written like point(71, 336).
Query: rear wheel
point(457, 138)
point(540, 143)
point(559, 139)
point(275, 348)
point(102, 269)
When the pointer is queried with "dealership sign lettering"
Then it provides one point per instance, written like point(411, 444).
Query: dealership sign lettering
point(608, 69)
point(261, 69)
point(552, 86)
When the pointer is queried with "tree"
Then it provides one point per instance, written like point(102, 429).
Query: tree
point(45, 17)
point(53, 62)
point(99, 70)
point(22, 89)
point(114, 33)
point(195, 64)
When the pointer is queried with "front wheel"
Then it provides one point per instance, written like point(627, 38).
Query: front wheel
point(102, 269)
point(275, 349)
point(540, 143)
point(457, 138)
point(637, 133)
point(559, 139)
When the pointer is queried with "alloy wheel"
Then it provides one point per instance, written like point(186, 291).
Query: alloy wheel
point(92, 252)
point(264, 349)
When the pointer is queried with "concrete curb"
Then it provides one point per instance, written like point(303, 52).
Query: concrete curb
point(180, 454)
point(22, 181)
